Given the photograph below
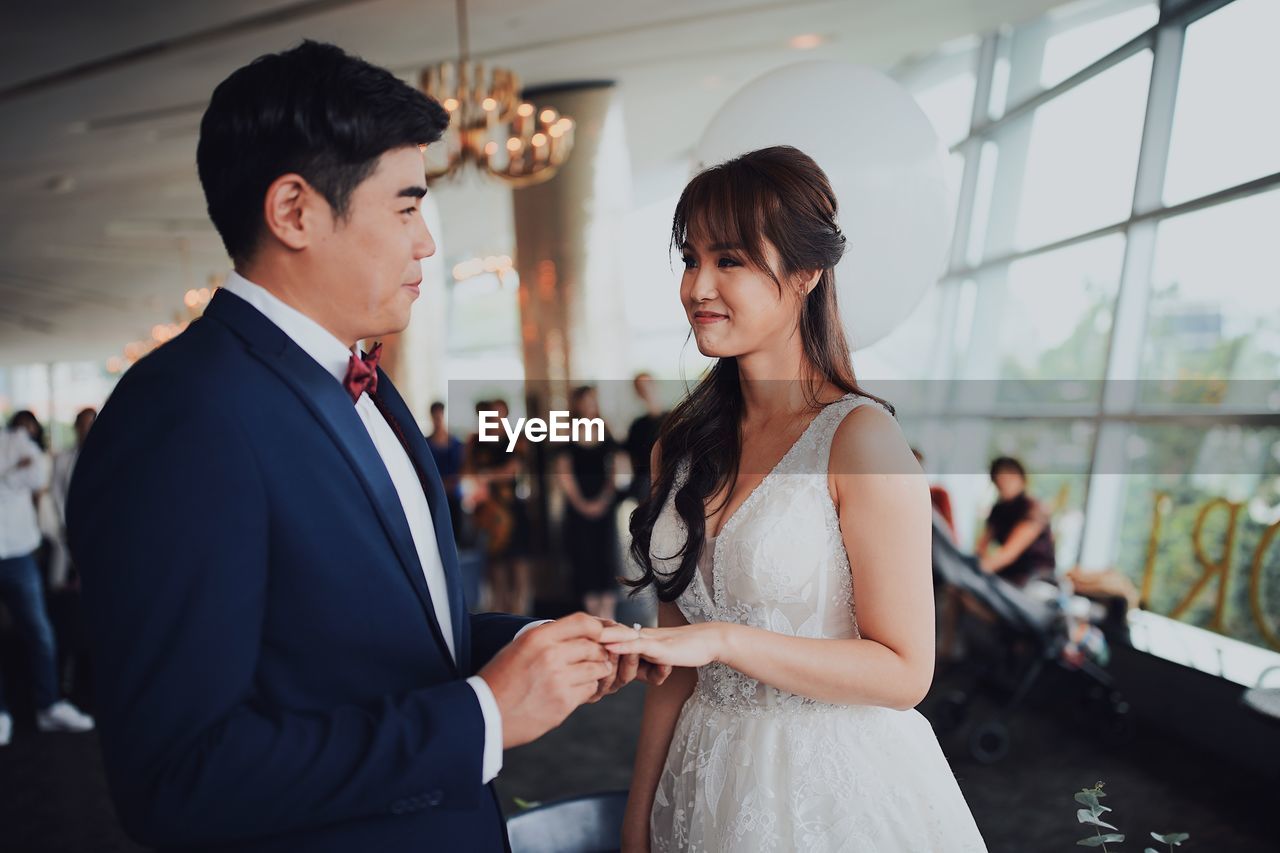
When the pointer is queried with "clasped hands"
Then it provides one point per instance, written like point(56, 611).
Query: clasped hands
point(650, 653)
point(544, 674)
point(540, 677)
point(684, 645)
point(627, 666)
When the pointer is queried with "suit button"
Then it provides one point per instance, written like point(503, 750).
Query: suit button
point(400, 807)
point(435, 798)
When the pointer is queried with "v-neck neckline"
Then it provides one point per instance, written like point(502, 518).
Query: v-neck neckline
point(724, 525)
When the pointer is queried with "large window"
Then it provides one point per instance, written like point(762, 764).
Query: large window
point(1197, 507)
point(1215, 294)
point(1226, 129)
point(1082, 33)
point(1081, 156)
point(1050, 313)
point(1112, 311)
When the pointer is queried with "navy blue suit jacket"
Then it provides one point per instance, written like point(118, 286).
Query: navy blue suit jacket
point(270, 672)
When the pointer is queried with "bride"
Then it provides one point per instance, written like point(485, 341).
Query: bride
point(788, 540)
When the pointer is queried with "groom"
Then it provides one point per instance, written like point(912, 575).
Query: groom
point(284, 658)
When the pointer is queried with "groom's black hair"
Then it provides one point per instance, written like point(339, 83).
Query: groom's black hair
point(314, 110)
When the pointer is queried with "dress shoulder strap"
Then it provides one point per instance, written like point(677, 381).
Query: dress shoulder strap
point(831, 418)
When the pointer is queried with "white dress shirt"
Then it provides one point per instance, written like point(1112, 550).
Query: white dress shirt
point(333, 355)
point(19, 529)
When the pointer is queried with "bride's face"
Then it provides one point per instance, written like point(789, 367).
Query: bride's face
point(735, 308)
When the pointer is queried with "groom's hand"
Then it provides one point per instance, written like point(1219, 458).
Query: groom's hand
point(544, 674)
point(629, 668)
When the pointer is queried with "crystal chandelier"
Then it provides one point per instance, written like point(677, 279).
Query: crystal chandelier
point(489, 125)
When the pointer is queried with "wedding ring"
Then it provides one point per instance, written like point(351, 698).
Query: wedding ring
point(636, 626)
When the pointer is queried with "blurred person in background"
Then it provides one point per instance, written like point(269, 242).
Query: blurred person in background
point(24, 472)
point(642, 434)
point(502, 516)
point(950, 602)
point(1018, 525)
point(46, 515)
point(585, 470)
point(27, 421)
point(447, 451)
point(940, 498)
point(64, 464)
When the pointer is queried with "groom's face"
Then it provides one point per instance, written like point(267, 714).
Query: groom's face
point(367, 265)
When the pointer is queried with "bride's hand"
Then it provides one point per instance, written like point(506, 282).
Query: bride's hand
point(687, 645)
point(628, 668)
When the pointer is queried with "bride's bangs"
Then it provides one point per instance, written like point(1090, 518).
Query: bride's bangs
point(725, 205)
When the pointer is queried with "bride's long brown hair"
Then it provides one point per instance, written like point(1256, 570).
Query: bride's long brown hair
point(782, 197)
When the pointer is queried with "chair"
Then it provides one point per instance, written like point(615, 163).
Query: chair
point(586, 824)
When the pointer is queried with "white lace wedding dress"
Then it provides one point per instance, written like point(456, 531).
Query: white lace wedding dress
point(752, 768)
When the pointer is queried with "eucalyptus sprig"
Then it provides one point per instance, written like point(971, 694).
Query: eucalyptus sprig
point(1092, 815)
point(1173, 839)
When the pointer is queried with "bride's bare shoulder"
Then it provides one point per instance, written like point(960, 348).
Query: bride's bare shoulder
point(868, 440)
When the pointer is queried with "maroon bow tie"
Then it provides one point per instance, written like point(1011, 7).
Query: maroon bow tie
point(362, 373)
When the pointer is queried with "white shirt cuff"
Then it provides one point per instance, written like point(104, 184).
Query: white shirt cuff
point(492, 761)
point(530, 626)
point(491, 764)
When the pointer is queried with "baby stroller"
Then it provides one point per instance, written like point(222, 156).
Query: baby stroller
point(1018, 637)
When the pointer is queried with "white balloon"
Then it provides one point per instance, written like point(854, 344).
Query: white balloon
point(885, 164)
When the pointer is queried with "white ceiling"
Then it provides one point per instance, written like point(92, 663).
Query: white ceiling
point(102, 224)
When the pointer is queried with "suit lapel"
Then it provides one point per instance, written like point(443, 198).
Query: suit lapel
point(331, 406)
point(425, 463)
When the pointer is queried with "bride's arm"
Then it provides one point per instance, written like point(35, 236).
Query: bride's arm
point(885, 517)
point(662, 706)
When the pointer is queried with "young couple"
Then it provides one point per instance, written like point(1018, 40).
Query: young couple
point(284, 656)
